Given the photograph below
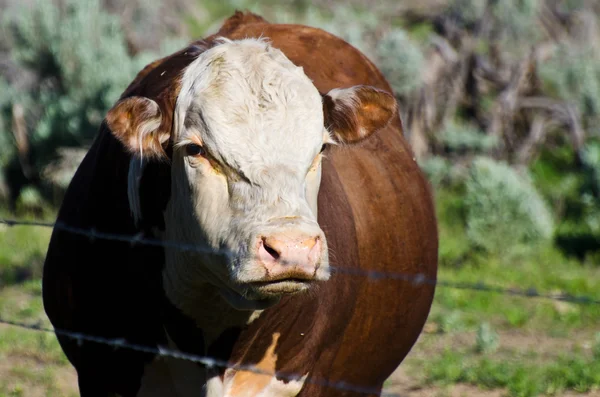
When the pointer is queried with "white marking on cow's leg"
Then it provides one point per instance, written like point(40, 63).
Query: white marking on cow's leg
point(214, 387)
point(167, 376)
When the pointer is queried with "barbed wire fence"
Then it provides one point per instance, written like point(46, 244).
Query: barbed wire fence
point(211, 362)
point(417, 279)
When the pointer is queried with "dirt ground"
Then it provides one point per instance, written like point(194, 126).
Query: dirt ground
point(32, 377)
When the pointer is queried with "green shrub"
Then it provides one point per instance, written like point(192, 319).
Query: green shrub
point(487, 340)
point(512, 19)
point(466, 12)
point(436, 168)
point(400, 60)
point(457, 137)
point(591, 160)
point(78, 55)
point(452, 322)
point(573, 190)
point(517, 18)
point(504, 211)
point(573, 74)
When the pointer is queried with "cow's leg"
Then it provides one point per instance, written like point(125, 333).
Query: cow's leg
point(90, 387)
point(99, 381)
point(345, 390)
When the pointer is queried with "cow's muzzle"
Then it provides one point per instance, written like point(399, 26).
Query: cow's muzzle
point(290, 261)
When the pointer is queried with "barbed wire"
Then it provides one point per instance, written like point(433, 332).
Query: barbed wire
point(209, 362)
point(415, 279)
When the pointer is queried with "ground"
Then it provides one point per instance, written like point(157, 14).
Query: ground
point(475, 343)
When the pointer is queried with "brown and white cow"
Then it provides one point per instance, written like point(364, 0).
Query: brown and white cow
point(277, 150)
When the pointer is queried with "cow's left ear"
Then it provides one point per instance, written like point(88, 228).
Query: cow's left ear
point(352, 114)
point(136, 122)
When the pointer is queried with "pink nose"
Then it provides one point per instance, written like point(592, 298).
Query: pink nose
point(290, 255)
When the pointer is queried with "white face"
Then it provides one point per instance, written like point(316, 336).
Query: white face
point(246, 171)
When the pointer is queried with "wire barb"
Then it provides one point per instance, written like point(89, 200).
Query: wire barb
point(210, 362)
point(372, 275)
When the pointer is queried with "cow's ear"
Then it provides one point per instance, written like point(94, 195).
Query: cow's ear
point(136, 122)
point(352, 114)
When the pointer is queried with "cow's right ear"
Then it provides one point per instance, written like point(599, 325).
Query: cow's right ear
point(136, 121)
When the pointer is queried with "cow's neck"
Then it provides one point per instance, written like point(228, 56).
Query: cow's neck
point(210, 314)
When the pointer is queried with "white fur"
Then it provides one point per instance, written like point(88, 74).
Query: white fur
point(170, 377)
point(260, 118)
point(346, 100)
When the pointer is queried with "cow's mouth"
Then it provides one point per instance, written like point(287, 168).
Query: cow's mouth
point(241, 302)
point(260, 295)
point(281, 287)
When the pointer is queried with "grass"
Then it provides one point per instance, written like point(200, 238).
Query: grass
point(524, 347)
point(22, 253)
point(517, 312)
point(517, 372)
point(31, 363)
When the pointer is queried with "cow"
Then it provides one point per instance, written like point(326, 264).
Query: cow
point(269, 160)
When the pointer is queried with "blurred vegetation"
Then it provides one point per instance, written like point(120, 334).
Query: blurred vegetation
point(500, 101)
point(470, 86)
point(65, 65)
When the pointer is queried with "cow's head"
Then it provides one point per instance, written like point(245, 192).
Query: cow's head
point(248, 134)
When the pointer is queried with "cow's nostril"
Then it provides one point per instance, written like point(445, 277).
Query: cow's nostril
point(272, 251)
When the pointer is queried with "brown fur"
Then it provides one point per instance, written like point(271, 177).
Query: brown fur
point(126, 120)
point(375, 208)
point(364, 111)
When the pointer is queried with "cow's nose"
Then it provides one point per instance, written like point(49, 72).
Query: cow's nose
point(290, 255)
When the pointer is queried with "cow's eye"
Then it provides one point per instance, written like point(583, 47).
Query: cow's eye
point(194, 150)
point(323, 148)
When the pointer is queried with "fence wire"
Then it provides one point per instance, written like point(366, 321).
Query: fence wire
point(212, 362)
point(374, 275)
point(209, 362)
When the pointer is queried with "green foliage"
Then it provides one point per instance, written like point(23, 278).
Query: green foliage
point(79, 56)
point(458, 137)
point(573, 189)
point(591, 160)
point(504, 210)
point(7, 94)
point(517, 19)
point(437, 169)
point(573, 74)
point(451, 322)
point(466, 12)
point(487, 340)
point(400, 60)
point(349, 23)
point(547, 271)
point(22, 252)
point(513, 19)
point(454, 247)
point(522, 378)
